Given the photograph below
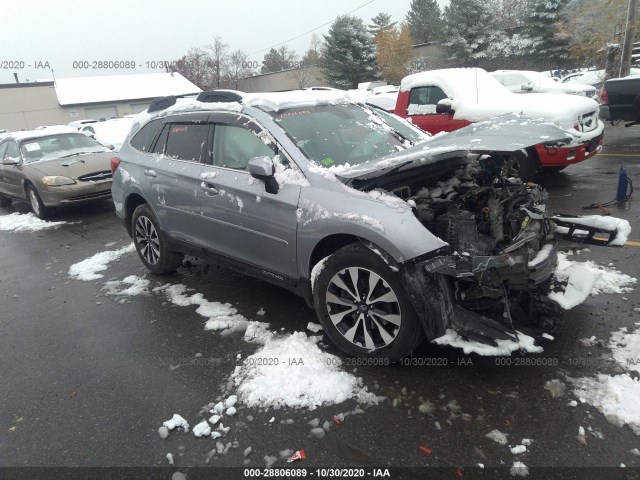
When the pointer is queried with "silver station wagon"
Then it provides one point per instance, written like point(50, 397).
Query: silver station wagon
point(389, 234)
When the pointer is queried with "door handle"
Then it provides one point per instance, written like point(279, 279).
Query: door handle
point(209, 189)
point(150, 173)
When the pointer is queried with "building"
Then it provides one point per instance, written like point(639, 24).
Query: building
point(30, 105)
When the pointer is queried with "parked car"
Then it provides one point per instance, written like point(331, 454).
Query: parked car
point(371, 221)
point(110, 133)
point(620, 100)
point(445, 100)
point(525, 81)
point(53, 167)
point(77, 124)
point(594, 78)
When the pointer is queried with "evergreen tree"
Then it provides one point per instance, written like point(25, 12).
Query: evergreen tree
point(470, 28)
point(541, 23)
point(382, 21)
point(348, 54)
point(425, 21)
point(277, 60)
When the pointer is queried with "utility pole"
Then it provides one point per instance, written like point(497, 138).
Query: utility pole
point(629, 38)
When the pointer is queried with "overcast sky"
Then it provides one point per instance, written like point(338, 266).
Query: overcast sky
point(63, 31)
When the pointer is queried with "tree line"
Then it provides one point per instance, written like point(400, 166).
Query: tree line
point(531, 34)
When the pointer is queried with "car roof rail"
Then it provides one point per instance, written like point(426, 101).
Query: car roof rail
point(215, 96)
point(161, 103)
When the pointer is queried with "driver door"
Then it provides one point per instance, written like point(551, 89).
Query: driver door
point(11, 176)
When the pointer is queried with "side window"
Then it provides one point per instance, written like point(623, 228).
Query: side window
point(234, 146)
point(3, 149)
point(143, 139)
point(12, 150)
point(513, 80)
point(161, 144)
point(423, 100)
point(186, 141)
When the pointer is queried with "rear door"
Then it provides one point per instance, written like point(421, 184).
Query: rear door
point(243, 221)
point(173, 172)
point(422, 111)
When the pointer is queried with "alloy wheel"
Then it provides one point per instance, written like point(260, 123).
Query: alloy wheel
point(147, 240)
point(363, 308)
point(33, 200)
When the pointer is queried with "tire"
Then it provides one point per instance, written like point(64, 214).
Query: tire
point(527, 165)
point(5, 201)
point(151, 244)
point(35, 202)
point(386, 328)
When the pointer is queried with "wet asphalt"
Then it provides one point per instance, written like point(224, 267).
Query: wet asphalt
point(87, 381)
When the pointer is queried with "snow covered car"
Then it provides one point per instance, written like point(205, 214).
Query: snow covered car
point(445, 100)
point(525, 81)
point(389, 234)
point(110, 133)
point(53, 166)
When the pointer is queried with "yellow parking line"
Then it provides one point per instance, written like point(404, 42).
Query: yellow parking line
point(635, 244)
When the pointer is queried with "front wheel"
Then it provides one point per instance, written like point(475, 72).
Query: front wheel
point(363, 307)
point(151, 244)
point(36, 204)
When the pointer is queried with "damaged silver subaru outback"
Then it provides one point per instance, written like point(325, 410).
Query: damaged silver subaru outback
point(391, 235)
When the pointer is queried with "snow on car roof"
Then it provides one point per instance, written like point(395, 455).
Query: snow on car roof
point(43, 132)
point(71, 91)
point(298, 98)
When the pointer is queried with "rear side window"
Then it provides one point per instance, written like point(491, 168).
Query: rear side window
point(12, 150)
point(184, 141)
point(144, 138)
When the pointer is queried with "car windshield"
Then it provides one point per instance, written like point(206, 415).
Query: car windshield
point(58, 146)
point(341, 134)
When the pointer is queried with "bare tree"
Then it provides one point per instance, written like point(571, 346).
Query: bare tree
point(219, 57)
point(302, 74)
point(196, 67)
point(237, 67)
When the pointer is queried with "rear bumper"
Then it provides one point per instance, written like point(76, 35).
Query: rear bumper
point(561, 157)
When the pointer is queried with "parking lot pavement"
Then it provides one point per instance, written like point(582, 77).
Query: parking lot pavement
point(88, 377)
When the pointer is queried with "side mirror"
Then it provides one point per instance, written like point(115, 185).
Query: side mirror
point(444, 106)
point(263, 168)
point(10, 161)
point(527, 87)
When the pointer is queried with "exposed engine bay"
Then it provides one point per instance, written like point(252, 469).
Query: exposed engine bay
point(498, 268)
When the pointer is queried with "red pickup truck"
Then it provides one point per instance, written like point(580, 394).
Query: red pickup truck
point(449, 99)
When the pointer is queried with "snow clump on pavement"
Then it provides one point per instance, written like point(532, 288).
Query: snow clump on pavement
point(89, 269)
point(27, 222)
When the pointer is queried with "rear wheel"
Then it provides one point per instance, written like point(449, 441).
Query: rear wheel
point(36, 204)
point(4, 201)
point(151, 244)
point(363, 307)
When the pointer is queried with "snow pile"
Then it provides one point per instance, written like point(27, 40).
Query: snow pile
point(615, 396)
point(88, 269)
point(293, 372)
point(587, 278)
point(221, 316)
point(176, 422)
point(626, 348)
point(28, 222)
point(519, 469)
point(497, 436)
point(504, 347)
point(130, 286)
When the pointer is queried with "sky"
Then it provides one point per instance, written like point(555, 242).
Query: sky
point(70, 35)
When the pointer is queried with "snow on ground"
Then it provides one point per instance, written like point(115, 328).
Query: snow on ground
point(293, 372)
point(88, 269)
point(587, 278)
point(616, 397)
point(27, 222)
point(504, 347)
point(497, 436)
point(130, 286)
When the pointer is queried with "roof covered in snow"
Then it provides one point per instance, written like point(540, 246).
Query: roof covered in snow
point(110, 88)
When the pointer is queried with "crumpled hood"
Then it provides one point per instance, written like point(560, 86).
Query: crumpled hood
point(506, 133)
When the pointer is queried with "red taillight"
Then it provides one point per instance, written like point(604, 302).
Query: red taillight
point(115, 162)
point(604, 97)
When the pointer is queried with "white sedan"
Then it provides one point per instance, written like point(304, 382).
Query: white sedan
point(525, 81)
